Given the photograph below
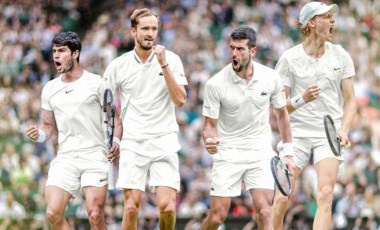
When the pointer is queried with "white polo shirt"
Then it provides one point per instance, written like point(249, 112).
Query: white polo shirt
point(299, 71)
point(242, 109)
point(147, 109)
point(77, 110)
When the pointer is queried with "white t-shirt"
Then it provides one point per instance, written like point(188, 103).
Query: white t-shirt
point(77, 110)
point(299, 71)
point(147, 110)
point(242, 109)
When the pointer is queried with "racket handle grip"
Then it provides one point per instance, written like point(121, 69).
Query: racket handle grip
point(111, 183)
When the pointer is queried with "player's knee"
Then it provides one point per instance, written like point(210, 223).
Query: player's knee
point(325, 196)
point(217, 217)
point(131, 211)
point(168, 206)
point(264, 214)
point(53, 216)
point(167, 209)
point(95, 216)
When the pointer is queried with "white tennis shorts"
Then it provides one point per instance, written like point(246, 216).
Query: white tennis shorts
point(155, 159)
point(305, 146)
point(233, 167)
point(72, 173)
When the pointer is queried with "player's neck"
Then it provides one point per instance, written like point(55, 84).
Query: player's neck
point(143, 54)
point(246, 74)
point(73, 74)
point(313, 47)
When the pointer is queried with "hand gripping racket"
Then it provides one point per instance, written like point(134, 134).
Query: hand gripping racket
point(109, 125)
point(332, 135)
point(281, 175)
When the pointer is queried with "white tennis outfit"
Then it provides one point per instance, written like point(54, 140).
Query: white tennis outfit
point(150, 141)
point(299, 71)
point(243, 128)
point(81, 158)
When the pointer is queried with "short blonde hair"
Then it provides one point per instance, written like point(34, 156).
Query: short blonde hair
point(140, 13)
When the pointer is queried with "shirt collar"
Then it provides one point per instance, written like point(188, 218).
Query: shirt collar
point(138, 60)
point(236, 78)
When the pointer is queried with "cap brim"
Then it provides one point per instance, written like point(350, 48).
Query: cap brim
point(333, 8)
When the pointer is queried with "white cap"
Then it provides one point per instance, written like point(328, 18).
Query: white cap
point(312, 9)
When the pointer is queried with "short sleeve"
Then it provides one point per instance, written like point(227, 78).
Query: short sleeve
point(45, 98)
point(211, 102)
point(110, 77)
point(282, 68)
point(278, 98)
point(178, 71)
point(348, 65)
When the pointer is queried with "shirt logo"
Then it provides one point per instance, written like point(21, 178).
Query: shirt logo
point(68, 91)
point(336, 68)
point(103, 179)
point(264, 93)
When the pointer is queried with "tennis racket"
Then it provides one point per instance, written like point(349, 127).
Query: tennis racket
point(332, 135)
point(281, 175)
point(109, 125)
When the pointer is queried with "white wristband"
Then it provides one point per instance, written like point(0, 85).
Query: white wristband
point(297, 101)
point(287, 150)
point(41, 136)
point(116, 140)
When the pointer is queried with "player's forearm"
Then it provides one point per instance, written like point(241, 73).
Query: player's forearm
point(208, 133)
point(350, 109)
point(176, 92)
point(48, 129)
point(209, 128)
point(118, 132)
point(284, 126)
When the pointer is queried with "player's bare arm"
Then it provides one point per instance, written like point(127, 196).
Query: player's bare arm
point(210, 135)
point(177, 92)
point(282, 117)
point(350, 109)
point(114, 152)
point(48, 126)
point(310, 94)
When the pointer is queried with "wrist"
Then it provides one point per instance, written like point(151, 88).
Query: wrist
point(116, 140)
point(287, 150)
point(41, 136)
point(297, 101)
point(164, 66)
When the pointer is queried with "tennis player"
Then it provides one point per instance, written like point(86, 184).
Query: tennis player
point(237, 131)
point(71, 108)
point(151, 83)
point(318, 77)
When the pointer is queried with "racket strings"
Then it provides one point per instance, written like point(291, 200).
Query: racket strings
point(282, 176)
point(108, 116)
point(334, 136)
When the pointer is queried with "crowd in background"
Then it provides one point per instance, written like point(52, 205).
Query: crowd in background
point(198, 31)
